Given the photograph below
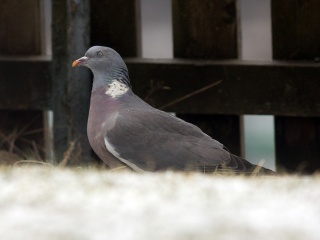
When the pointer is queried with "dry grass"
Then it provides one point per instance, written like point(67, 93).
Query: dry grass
point(11, 156)
point(10, 141)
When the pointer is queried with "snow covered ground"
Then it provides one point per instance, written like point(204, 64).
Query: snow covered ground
point(43, 203)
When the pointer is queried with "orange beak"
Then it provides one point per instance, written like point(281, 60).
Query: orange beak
point(79, 62)
point(75, 63)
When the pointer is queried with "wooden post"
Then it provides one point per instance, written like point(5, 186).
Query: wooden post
point(296, 35)
point(71, 87)
point(208, 30)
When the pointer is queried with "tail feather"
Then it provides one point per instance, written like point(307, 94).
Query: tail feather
point(241, 165)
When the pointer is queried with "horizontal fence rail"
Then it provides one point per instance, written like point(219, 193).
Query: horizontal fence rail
point(242, 87)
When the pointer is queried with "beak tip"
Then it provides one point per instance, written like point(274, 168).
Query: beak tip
point(75, 63)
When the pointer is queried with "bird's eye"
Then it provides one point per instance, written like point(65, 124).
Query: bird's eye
point(99, 54)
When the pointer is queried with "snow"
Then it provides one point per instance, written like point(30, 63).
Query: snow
point(52, 203)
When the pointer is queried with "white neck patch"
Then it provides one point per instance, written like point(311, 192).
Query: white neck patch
point(116, 89)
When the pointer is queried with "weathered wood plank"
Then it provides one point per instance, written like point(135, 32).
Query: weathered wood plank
point(205, 29)
point(208, 30)
point(71, 89)
point(296, 35)
point(20, 25)
point(295, 29)
point(115, 23)
point(25, 83)
point(278, 88)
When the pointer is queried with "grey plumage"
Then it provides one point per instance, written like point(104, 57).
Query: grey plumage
point(124, 130)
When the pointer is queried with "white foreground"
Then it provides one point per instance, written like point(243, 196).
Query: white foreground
point(40, 203)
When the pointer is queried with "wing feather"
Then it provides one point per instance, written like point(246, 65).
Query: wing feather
point(154, 140)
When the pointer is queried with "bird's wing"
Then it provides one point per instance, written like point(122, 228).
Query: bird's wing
point(153, 140)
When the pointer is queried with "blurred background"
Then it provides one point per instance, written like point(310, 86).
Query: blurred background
point(157, 42)
point(266, 53)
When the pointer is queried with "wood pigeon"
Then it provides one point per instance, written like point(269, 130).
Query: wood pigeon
point(125, 130)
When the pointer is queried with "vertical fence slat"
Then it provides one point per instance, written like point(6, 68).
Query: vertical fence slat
point(295, 29)
point(71, 87)
point(115, 23)
point(298, 143)
point(208, 30)
point(296, 35)
point(205, 29)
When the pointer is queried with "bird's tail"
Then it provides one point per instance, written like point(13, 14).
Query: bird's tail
point(241, 165)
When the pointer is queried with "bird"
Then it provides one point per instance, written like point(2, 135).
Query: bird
point(124, 130)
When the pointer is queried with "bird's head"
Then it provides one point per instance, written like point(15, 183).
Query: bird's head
point(106, 65)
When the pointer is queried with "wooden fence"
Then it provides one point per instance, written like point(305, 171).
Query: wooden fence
point(206, 50)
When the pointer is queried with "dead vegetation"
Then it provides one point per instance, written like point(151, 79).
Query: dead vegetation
point(18, 144)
